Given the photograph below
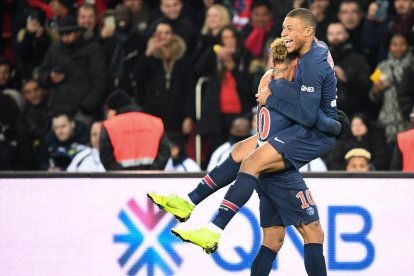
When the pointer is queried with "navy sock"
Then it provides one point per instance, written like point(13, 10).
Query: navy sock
point(237, 195)
point(314, 259)
point(262, 263)
point(221, 176)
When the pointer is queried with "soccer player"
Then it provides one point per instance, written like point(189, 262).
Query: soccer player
point(288, 149)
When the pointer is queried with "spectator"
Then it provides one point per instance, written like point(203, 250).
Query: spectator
point(323, 12)
point(13, 147)
point(384, 88)
point(35, 121)
point(122, 51)
point(9, 84)
point(217, 17)
point(366, 33)
point(358, 160)
point(179, 161)
point(75, 71)
point(87, 19)
point(165, 77)
point(60, 9)
point(364, 134)
point(352, 72)
point(171, 10)
point(141, 15)
point(261, 28)
point(131, 139)
point(33, 41)
point(405, 95)
point(240, 130)
point(228, 92)
point(403, 156)
point(403, 20)
point(63, 142)
point(88, 159)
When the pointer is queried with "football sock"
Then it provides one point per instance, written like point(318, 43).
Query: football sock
point(262, 263)
point(237, 195)
point(221, 176)
point(314, 259)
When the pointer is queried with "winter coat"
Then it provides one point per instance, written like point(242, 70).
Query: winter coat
point(353, 94)
point(84, 86)
point(167, 92)
point(374, 141)
point(122, 51)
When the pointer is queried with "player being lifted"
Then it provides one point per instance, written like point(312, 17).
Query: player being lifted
point(309, 102)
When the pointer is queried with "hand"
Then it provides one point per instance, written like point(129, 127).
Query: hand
point(372, 10)
point(379, 86)
point(57, 77)
point(340, 74)
point(187, 126)
point(262, 95)
point(153, 45)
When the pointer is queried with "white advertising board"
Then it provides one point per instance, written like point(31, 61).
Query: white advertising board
point(106, 226)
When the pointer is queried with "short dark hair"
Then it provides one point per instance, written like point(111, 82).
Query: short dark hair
point(261, 3)
point(305, 15)
point(63, 111)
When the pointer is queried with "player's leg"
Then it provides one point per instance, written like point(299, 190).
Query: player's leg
point(273, 238)
point(313, 237)
point(260, 159)
point(222, 175)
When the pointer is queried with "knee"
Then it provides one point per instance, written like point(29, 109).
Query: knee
point(274, 244)
point(237, 153)
point(313, 233)
point(249, 164)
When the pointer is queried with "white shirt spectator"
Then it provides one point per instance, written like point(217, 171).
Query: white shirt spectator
point(86, 160)
point(219, 155)
point(188, 165)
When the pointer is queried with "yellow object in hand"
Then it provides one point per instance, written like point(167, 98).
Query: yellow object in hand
point(376, 76)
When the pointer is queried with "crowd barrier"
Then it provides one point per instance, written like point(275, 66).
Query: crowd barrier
point(103, 224)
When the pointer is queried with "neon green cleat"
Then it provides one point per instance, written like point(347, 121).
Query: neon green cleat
point(177, 206)
point(203, 237)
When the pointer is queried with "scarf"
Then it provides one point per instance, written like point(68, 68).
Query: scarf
point(256, 39)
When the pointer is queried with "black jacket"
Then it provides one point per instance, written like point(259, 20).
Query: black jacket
point(353, 95)
point(106, 150)
point(374, 141)
point(84, 86)
point(122, 51)
point(167, 94)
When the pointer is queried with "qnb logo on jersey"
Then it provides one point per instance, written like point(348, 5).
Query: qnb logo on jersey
point(149, 242)
point(304, 88)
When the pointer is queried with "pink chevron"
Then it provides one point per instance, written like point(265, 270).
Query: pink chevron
point(230, 205)
point(207, 179)
point(150, 218)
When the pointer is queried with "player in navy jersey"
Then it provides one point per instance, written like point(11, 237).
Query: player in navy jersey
point(269, 157)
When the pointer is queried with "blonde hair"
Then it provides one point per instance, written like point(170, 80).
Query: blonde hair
point(279, 50)
point(224, 18)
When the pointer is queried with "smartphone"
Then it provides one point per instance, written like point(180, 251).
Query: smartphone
point(382, 11)
point(109, 21)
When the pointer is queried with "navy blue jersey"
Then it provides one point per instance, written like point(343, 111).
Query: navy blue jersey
point(317, 80)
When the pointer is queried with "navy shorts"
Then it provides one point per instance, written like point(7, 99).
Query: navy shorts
point(284, 206)
point(300, 145)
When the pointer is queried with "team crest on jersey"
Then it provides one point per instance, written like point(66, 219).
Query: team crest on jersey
point(310, 211)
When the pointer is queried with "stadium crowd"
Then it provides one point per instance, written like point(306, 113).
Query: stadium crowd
point(62, 60)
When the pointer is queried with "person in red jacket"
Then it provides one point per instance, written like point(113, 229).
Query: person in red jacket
point(131, 139)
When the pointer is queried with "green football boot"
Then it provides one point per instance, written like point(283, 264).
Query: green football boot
point(177, 206)
point(203, 237)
